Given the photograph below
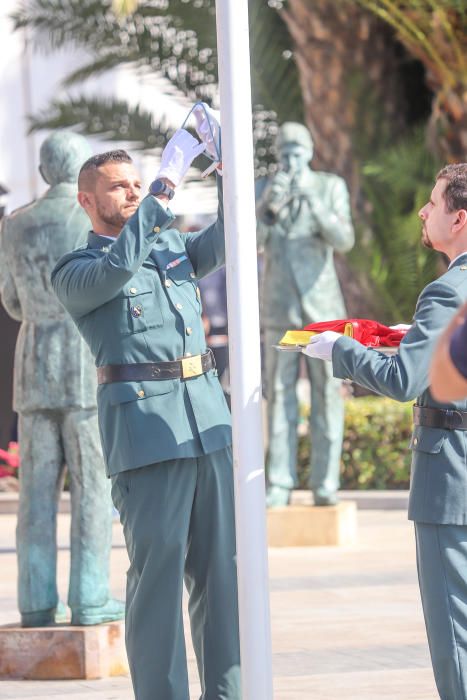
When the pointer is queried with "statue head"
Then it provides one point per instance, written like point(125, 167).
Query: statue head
point(61, 156)
point(295, 146)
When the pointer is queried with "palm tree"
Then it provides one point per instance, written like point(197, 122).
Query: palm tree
point(176, 40)
point(435, 32)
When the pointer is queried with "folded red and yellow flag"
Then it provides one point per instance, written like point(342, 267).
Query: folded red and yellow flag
point(367, 332)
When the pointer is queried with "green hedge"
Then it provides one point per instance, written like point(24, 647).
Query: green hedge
point(375, 452)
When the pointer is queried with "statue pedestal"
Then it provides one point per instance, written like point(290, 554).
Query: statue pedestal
point(63, 652)
point(309, 526)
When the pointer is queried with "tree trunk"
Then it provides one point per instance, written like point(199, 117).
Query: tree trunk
point(447, 128)
point(348, 62)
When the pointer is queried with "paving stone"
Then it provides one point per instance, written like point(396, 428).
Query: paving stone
point(346, 621)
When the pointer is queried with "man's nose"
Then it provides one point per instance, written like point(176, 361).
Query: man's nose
point(422, 213)
point(132, 193)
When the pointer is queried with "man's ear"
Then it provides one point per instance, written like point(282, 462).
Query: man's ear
point(86, 200)
point(460, 221)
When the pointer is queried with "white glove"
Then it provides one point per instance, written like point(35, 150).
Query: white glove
point(401, 327)
point(321, 345)
point(208, 129)
point(178, 155)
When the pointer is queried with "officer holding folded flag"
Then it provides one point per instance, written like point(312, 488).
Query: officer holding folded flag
point(438, 492)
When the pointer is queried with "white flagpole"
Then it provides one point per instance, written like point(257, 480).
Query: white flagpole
point(245, 364)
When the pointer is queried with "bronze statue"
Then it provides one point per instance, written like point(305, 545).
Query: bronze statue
point(303, 216)
point(55, 397)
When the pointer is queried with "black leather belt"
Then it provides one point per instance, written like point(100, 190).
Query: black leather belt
point(187, 367)
point(440, 418)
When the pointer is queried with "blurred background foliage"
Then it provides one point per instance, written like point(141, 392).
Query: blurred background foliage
point(382, 85)
point(376, 437)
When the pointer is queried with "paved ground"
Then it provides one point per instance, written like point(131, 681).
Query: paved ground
point(346, 623)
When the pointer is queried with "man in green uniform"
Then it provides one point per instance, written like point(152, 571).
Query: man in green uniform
point(165, 427)
point(438, 492)
point(303, 217)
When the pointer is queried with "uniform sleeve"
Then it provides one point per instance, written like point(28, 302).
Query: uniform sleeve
point(458, 349)
point(84, 282)
point(403, 376)
point(206, 248)
point(8, 290)
point(335, 221)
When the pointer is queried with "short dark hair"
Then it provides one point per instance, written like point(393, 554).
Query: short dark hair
point(88, 172)
point(455, 193)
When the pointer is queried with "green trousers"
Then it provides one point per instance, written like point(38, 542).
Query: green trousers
point(442, 575)
point(178, 521)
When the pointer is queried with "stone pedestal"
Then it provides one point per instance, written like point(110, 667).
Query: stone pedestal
point(308, 526)
point(63, 652)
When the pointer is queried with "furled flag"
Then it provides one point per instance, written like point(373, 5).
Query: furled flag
point(367, 332)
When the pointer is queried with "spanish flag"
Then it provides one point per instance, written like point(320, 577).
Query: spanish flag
point(367, 332)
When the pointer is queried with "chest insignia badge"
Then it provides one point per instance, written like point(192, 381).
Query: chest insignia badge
point(136, 311)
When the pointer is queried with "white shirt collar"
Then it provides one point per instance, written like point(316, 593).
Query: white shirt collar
point(110, 238)
point(457, 258)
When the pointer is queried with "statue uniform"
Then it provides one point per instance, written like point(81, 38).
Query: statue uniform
point(166, 442)
point(438, 492)
point(55, 397)
point(300, 286)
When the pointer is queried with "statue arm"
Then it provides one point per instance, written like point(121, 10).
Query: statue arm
point(8, 290)
point(263, 218)
point(334, 217)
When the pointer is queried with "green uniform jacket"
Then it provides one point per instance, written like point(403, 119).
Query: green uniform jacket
point(438, 492)
point(137, 300)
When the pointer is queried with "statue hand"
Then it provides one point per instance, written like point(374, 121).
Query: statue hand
point(278, 189)
point(281, 182)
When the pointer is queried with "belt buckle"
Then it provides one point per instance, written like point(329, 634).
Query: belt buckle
point(191, 366)
point(454, 419)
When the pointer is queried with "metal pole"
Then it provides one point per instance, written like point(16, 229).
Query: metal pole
point(245, 364)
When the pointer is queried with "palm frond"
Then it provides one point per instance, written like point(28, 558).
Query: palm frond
point(175, 39)
point(434, 31)
point(112, 119)
point(154, 36)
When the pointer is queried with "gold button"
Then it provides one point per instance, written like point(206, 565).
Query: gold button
point(192, 275)
point(178, 306)
point(133, 290)
point(189, 331)
point(157, 229)
point(415, 441)
point(140, 393)
point(168, 283)
point(188, 354)
point(198, 293)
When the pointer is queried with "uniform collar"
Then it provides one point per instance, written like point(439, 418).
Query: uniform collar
point(456, 261)
point(97, 241)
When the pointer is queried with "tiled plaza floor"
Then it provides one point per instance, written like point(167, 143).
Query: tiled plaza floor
point(346, 622)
